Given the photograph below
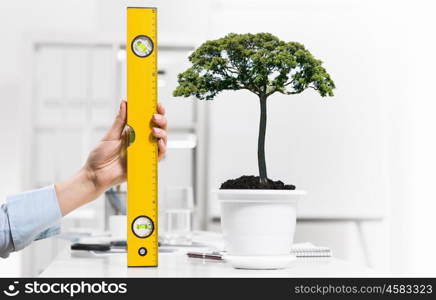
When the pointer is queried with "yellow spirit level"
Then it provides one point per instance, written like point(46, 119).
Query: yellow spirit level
point(142, 154)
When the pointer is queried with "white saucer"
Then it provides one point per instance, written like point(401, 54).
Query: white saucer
point(259, 262)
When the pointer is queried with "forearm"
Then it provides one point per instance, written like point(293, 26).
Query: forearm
point(77, 191)
point(36, 214)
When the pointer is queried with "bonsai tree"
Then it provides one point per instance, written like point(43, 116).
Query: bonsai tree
point(259, 63)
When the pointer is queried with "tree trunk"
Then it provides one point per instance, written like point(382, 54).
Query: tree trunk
point(261, 141)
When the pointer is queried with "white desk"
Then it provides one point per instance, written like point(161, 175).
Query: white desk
point(177, 264)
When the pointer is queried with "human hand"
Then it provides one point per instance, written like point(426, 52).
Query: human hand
point(106, 164)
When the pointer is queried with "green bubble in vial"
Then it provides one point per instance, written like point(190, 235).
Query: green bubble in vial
point(141, 46)
point(132, 136)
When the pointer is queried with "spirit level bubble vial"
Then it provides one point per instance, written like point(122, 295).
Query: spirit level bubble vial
point(142, 153)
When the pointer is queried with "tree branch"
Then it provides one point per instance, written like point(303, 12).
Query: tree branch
point(270, 93)
point(289, 82)
point(232, 70)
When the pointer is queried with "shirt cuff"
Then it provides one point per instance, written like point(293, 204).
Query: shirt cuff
point(33, 215)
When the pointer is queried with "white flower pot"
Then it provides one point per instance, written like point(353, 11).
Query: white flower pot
point(258, 222)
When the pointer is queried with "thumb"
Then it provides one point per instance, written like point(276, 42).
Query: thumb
point(115, 132)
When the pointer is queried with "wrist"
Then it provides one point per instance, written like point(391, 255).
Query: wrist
point(77, 191)
point(89, 178)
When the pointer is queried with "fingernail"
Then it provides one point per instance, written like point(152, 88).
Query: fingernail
point(157, 117)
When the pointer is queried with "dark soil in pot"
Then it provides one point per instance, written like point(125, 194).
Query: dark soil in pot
point(253, 182)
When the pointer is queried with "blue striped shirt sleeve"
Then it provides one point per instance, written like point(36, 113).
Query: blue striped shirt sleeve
point(27, 217)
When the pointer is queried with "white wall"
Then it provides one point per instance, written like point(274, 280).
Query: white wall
point(413, 200)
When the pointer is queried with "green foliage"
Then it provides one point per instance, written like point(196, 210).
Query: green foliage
point(260, 63)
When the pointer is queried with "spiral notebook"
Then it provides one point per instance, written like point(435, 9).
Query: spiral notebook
point(310, 250)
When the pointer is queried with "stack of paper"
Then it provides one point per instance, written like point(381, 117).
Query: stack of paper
point(310, 250)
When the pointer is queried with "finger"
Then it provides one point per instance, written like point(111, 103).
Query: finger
point(126, 137)
point(160, 134)
point(162, 147)
point(161, 109)
point(119, 123)
point(160, 120)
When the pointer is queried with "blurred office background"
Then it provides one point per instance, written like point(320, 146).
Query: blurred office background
point(366, 157)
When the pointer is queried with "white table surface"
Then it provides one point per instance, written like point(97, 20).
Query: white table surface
point(177, 264)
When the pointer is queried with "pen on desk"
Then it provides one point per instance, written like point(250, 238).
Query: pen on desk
point(203, 255)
